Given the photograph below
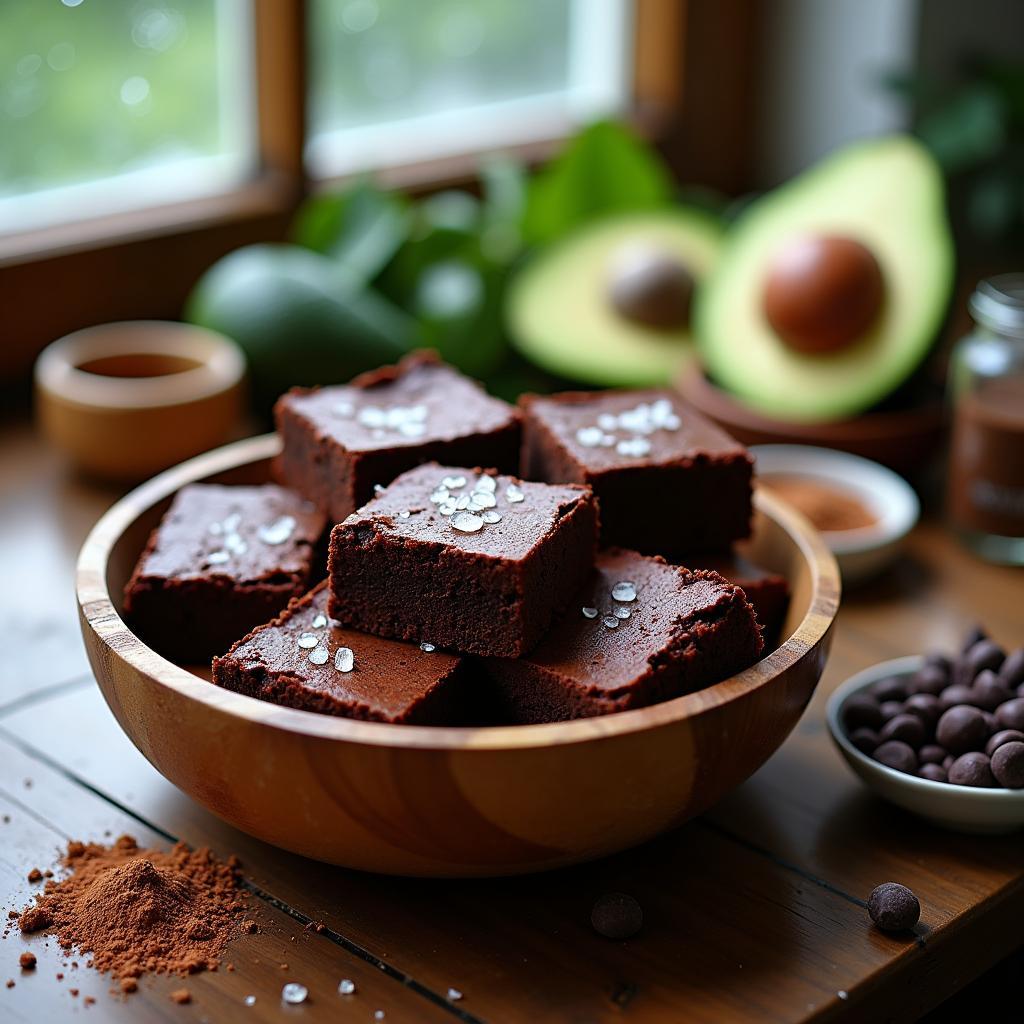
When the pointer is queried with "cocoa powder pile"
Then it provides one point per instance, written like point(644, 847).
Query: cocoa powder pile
point(140, 911)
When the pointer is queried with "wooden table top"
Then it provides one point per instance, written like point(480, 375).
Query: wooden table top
point(754, 912)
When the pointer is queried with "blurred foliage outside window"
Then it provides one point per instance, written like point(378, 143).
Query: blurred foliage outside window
point(396, 81)
point(125, 102)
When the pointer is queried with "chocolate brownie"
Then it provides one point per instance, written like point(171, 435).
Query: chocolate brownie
point(467, 560)
point(667, 480)
point(638, 632)
point(767, 591)
point(305, 660)
point(222, 560)
point(341, 441)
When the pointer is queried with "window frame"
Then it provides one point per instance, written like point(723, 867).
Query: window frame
point(143, 263)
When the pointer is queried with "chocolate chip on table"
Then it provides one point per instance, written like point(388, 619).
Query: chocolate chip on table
point(909, 728)
point(962, 728)
point(1011, 714)
point(893, 688)
point(926, 706)
point(864, 739)
point(897, 754)
point(932, 753)
point(990, 691)
point(1008, 765)
point(1012, 670)
point(972, 769)
point(894, 907)
point(1004, 736)
point(861, 710)
point(616, 916)
point(932, 772)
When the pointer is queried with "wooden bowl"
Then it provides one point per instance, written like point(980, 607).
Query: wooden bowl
point(452, 802)
point(125, 400)
point(904, 440)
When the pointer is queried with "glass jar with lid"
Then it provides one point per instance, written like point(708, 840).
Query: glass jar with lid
point(986, 382)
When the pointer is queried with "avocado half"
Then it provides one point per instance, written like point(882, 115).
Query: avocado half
point(886, 195)
point(561, 312)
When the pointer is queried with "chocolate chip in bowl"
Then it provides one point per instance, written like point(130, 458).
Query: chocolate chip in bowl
point(955, 757)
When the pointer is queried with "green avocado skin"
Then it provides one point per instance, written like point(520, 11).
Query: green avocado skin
point(887, 194)
point(296, 317)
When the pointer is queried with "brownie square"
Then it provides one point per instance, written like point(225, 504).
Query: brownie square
point(305, 660)
point(341, 441)
point(667, 480)
point(767, 591)
point(222, 560)
point(682, 631)
point(467, 560)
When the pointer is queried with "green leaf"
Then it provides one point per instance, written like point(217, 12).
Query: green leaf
point(504, 186)
point(605, 169)
point(361, 229)
point(992, 203)
point(967, 130)
point(459, 306)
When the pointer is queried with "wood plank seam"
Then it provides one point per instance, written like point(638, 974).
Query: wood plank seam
point(388, 970)
point(782, 862)
point(46, 692)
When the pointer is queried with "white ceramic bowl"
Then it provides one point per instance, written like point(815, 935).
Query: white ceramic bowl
point(960, 808)
point(863, 552)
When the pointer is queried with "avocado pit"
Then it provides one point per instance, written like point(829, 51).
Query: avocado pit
point(823, 293)
point(650, 287)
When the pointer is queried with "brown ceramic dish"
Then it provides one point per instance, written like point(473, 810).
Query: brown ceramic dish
point(904, 440)
point(418, 800)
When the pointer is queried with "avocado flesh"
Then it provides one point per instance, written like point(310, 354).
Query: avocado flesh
point(887, 195)
point(560, 312)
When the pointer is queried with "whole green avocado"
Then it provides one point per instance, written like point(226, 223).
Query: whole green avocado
point(297, 316)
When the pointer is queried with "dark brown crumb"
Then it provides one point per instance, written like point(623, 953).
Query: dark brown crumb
point(60, 976)
point(73, 991)
point(10, 983)
point(250, 927)
point(181, 996)
point(129, 985)
point(88, 1000)
point(35, 919)
point(35, 875)
point(27, 961)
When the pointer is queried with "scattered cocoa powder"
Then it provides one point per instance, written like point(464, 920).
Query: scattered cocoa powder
point(88, 1000)
point(829, 508)
point(27, 961)
point(10, 983)
point(140, 911)
point(181, 996)
point(129, 985)
point(35, 875)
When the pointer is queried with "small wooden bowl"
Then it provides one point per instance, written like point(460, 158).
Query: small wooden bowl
point(126, 400)
point(449, 802)
point(904, 440)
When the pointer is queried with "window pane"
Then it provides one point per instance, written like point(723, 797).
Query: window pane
point(108, 104)
point(400, 80)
